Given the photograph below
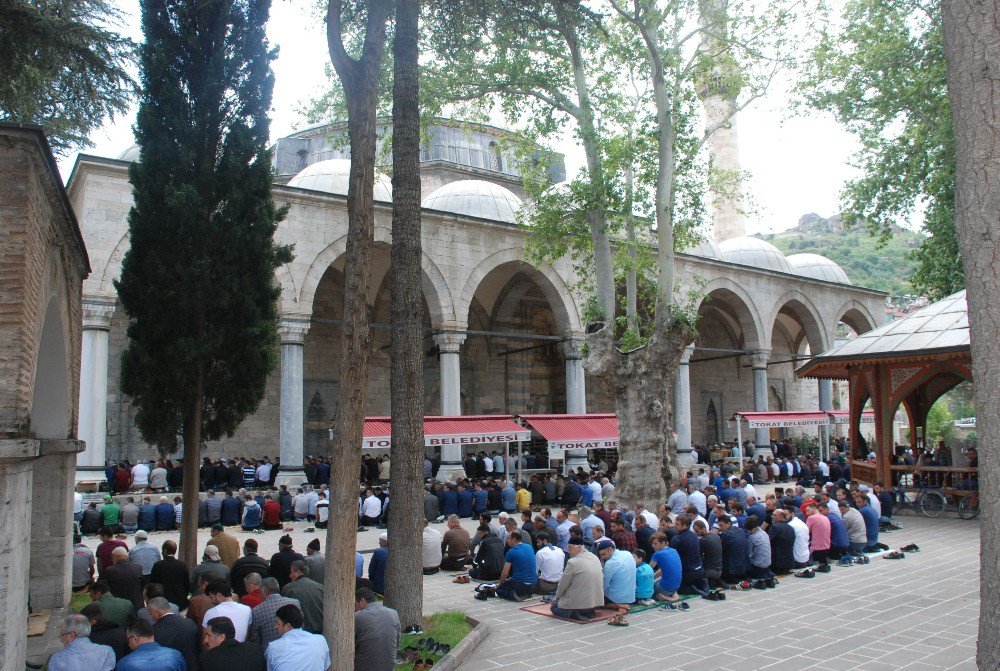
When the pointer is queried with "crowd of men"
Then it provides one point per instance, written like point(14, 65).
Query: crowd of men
point(713, 533)
point(236, 609)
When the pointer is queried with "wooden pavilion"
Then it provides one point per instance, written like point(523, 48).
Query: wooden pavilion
point(911, 362)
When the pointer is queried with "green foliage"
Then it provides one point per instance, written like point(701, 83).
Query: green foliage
point(62, 67)
point(197, 281)
point(940, 423)
point(883, 76)
point(868, 263)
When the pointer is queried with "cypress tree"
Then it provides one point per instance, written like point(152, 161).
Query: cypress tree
point(197, 282)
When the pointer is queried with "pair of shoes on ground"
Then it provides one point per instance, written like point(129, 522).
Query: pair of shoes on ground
point(683, 605)
point(414, 629)
point(618, 620)
point(462, 580)
point(894, 555)
point(882, 546)
point(912, 547)
point(714, 595)
point(808, 573)
point(845, 560)
point(862, 560)
point(823, 568)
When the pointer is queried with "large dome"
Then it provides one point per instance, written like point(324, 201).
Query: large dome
point(334, 176)
point(131, 154)
point(817, 267)
point(756, 253)
point(705, 248)
point(475, 198)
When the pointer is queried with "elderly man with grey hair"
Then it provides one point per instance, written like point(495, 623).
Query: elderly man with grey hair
point(80, 653)
point(309, 594)
point(262, 624)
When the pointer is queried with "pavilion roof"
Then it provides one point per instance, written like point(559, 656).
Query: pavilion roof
point(940, 330)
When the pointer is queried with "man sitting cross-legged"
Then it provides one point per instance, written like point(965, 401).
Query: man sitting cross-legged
point(666, 564)
point(519, 575)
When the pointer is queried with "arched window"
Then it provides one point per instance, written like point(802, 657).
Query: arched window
point(495, 162)
point(711, 424)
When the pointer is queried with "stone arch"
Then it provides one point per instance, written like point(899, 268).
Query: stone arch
point(113, 268)
point(855, 314)
point(50, 408)
point(743, 309)
point(547, 279)
point(808, 316)
point(289, 294)
point(435, 288)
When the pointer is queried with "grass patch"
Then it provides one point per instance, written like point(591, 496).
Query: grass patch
point(449, 627)
point(78, 601)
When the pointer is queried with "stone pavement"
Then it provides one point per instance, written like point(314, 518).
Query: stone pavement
point(919, 614)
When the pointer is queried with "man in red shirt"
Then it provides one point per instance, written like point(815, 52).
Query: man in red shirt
point(271, 514)
point(819, 534)
point(253, 597)
point(104, 550)
point(123, 479)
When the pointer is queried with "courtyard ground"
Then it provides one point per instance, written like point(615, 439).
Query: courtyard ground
point(919, 614)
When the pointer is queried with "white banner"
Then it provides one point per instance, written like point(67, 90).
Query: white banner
point(846, 419)
point(597, 444)
point(784, 423)
point(385, 442)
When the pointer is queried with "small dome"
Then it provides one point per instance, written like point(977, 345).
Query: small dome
point(475, 198)
point(334, 176)
point(131, 154)
point(817, 267)
point(706, 248)
point(754, 252)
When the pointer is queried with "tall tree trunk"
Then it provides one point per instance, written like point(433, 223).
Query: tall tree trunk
point(190, 497)
point(631, 279)
point(972, 53)
point(404, 589)
point(360, 81)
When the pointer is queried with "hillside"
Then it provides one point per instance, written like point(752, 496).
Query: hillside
point(887, 269)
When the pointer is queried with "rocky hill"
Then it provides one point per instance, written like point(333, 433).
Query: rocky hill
point(887, 269)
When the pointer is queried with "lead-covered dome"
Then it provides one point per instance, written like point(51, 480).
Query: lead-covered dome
point(818, 267)
point(334, 176)
point(475, 198)
point(131, 154)
point(754, 252)
point(705, 248)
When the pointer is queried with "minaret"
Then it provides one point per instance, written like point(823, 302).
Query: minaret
point(718, 91)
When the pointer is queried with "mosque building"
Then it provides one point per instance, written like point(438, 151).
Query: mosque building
point(503, 334)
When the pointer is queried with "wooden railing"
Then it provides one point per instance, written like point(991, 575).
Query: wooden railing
point(864, 471)
point(942, 477)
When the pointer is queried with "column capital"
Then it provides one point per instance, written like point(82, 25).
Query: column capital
point(687, 354)
point(292, 330)
point(97, 314)
point(451, 342)
point(760, 359)
point(573, 348)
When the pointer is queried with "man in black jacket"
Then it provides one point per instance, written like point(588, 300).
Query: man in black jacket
point(174, 631)
point(782, 542)
point(488, 561)
point(104, 632)
point(173, 575)
point(281, 561)
point(224, 653)
point(249, 563)
point(124, 577)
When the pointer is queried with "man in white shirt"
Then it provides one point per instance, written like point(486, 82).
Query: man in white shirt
point(749, 489)
point(550, 561)
point(140, 476)
point(651, 520)
point(698, 500)
point(489, 463)
point(595, 487)
point(800, 550)
point(371, 509)
point(222, 596)
point(824, 468)
point(876, 504)
point(300, 505)
point(702, 479)
point(431, 550)
point(264, 473)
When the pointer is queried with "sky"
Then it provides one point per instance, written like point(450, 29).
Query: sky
point(797, 164)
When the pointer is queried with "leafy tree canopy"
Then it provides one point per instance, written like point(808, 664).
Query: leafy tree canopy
point(63, 67)
point(881, 73)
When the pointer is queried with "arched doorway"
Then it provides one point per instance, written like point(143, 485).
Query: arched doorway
point(50, 413)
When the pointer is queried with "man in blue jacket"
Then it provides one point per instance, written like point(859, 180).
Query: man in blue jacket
point(164, 515)
point(147, 654)
point(465, 502)
point(147, 515)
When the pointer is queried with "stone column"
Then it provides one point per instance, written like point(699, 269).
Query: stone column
point(292, 332)
point(450, 348)
point(93, 408)
point(52, 524)
point(15, 549)
point(576, 395)
point(761, 436)
point(682, 408)
point(825, 403)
